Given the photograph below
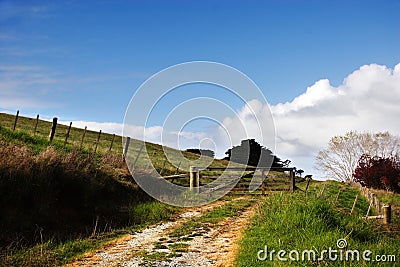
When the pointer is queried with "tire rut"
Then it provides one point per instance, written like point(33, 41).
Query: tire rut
point(214, 245)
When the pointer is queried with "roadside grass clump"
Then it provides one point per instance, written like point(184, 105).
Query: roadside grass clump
point(179, 247)
point(152, 212)
point(296, 222)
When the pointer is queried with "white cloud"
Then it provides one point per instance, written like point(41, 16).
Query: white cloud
point(367, 100)
point(252, 121)
point(107, 127)
point(21, 86)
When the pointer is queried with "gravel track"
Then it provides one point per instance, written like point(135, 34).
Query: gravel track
point(214, 245)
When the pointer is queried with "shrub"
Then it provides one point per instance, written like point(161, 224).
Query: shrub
point(61, 193)
point(377, 172)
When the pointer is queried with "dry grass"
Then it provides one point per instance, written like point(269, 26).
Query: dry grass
point(59, 192)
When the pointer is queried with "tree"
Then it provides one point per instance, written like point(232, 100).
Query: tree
point(250, 152)
point(204, 152)
point(377, 172)
point(340, 158)
point(299, 172)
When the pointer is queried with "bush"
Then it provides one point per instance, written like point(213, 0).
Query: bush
point(60, 194)
point(379, 173)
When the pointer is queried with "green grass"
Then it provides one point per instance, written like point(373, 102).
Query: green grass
point(179, 247)
point(38, 141)
point(152, 212)
point(313, 222)
point(36, 144)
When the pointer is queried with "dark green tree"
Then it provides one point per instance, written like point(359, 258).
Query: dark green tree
point(250, 152)
point(299, 172)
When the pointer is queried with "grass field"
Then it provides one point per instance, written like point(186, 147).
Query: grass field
point(39, 141)
point(315, 222)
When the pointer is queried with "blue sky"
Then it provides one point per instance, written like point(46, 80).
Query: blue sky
point(83, 60)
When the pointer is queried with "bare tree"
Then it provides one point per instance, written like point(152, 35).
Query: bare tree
point(339, 159)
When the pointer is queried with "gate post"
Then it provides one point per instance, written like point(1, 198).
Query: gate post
point(387, 214)
point(292, 181)
point(194, 179)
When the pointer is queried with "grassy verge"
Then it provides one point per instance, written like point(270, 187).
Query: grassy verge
point(314, 222)
point(55, 253)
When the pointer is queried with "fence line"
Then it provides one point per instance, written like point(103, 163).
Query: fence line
point(375, 203)
point(383, 210)
point(266, 185)
point(53, 131)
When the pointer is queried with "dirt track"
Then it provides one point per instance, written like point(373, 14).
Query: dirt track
point(214, 245)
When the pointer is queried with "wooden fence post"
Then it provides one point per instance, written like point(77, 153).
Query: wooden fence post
point(67, 135)
point(263, 182)
point(177, 168)
point(194, 179)
point(138, 155)
point(322, 191)
point(83, 137)
point(53, 129)
point(152, 156)
point(338, 194)
point(163, 167)
point(176, 172)
point(36, 124)
point(369, 209)
point(354, 205)
point(16, 119)
point(112, 142)
point(97, 142)
point(125, 151)
point(387, 214)
point(308, 183)
point(292, 181)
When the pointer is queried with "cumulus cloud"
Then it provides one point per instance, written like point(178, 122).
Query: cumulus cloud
point(367, 101)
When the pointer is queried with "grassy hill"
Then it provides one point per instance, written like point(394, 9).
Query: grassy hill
point(64, 200)
point(26, 126)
